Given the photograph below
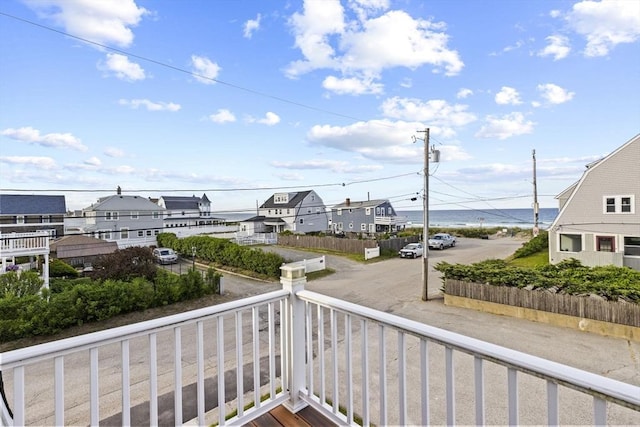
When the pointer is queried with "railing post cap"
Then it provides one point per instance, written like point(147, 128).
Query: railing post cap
point(292, 272)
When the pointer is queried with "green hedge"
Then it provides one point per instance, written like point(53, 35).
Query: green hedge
point(226, 253)
point(74, 302)
point(568, 277)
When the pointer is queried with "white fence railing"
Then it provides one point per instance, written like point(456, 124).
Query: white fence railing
point(345, 360)
point(310, 265)
point(256, 239)
point(18, 244)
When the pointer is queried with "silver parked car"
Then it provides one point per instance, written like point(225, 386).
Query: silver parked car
point(441, 241)
point(165, 256)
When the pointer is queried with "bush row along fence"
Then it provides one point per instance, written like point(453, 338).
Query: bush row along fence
point(352, 246)
point(587, 307)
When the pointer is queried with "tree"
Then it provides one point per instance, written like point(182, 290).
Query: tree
point(59, 268)
point(126, 264)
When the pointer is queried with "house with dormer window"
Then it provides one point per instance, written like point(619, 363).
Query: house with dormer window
point(299, 212)
point(599, 218)
point(187, 211)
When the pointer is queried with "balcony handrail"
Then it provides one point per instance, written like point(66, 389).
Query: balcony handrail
point(606, 388)
point(29, 355)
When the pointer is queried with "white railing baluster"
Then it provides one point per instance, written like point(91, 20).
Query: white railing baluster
point(239, 363)
point(18, 396)
point(382, 367)
point(402, 378)
point(321, 361)
point(334, 353)
point(309, 347)
point(553, 404)
point(153, 379)
point(348, 368)
point(200, 370)
point(177, 375)
point(220, 354)
point(125, 383)
point(479, 390)
point(599, 411)
point(256, 356)
point(272, 350)
point(94, 389)
point(424, 380)
point(364, 328)
point(284, 378)
point(512, 390)
point(450, 386)
point(59, 390)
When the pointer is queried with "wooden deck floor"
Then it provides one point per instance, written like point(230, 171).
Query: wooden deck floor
point(281, 417)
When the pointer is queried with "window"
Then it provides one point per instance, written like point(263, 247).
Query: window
point(46, 219)
point(148, 233)
point(156, 215)
point(624, 204)
point(309, 210)
point(350, 226)
point(301, 220)
point(111, 216)
point(570, 243)
point(632, 246)
point(605, 244)
point(378, 211)
point(389, 211)
point(140, 233)
point(339, 212)
point(124, 233)
point(610, 205)
point(156, 232)
point(367, 211)
point(363, 227)
point(134, 215)
point(20, 219)
point(340, 226)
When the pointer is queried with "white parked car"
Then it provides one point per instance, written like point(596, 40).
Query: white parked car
point(441, 241)
point(165, 256)
point(412, 250)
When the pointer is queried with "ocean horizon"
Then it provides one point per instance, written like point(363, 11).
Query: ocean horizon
point(458, 218)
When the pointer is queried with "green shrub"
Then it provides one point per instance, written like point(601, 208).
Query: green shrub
point(20, 284)
point(537, 244)
point(59, 268)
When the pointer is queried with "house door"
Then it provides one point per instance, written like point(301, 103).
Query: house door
point(372, 228)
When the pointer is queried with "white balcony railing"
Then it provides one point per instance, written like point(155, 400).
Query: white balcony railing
point(21, 244)
point(298, 348)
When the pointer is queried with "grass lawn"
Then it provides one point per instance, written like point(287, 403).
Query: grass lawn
point(538, 259)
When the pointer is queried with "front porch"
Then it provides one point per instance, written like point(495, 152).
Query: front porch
point(300, 349)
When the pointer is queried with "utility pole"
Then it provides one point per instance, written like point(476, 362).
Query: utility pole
point(535, 198)
point(425, 212)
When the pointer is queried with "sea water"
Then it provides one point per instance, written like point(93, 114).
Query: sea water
point(458, 218)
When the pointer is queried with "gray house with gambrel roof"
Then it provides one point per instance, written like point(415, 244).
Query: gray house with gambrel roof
point(369, 216)
point(599, 218)
point(187, 211)
point(25, 213)
point(301, 212)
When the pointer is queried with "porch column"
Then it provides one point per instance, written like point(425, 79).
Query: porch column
point(293, 280)
point(45, 271)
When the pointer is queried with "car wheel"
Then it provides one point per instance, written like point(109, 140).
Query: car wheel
point(441, 246)
point(453, 244)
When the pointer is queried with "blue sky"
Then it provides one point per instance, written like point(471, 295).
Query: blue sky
point(240, 99)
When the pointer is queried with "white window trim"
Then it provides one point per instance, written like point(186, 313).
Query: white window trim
point(618, 204)
point(363, 227)
point(126, 230)
point(367, 211)
point(135, 215)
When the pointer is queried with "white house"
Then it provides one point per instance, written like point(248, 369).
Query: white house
point(187, 211)
point(599, 218)
point(301, 212)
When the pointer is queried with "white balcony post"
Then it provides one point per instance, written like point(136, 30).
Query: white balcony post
point(293, 280)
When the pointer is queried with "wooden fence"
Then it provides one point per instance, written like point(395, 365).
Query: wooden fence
point(352, 246)
point(587, 307)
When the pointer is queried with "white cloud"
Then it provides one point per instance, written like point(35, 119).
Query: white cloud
point(55, 140)
point(436, 112)
point(351, 86)
point(251, 25)
point(150, 105)
point(122, 68)
point(558, 47)
point(204, 69)
point(289, 176)
point(508, 96)
point(93, 161)
point(36, 161)
point(363, 46)
point(337, 166)
point(222, 116)
point(464, 93)
point(104, 22)
point(554, 94)
point(605, 24)
point(270, 119)
point(504, 127)
point(113, 152)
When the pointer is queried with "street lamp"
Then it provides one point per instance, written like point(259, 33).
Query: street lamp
point(193, 254)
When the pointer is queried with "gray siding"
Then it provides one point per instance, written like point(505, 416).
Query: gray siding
point(313, 214)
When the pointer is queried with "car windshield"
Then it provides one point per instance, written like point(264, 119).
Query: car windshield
point(411, 246)
point(165, 252)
